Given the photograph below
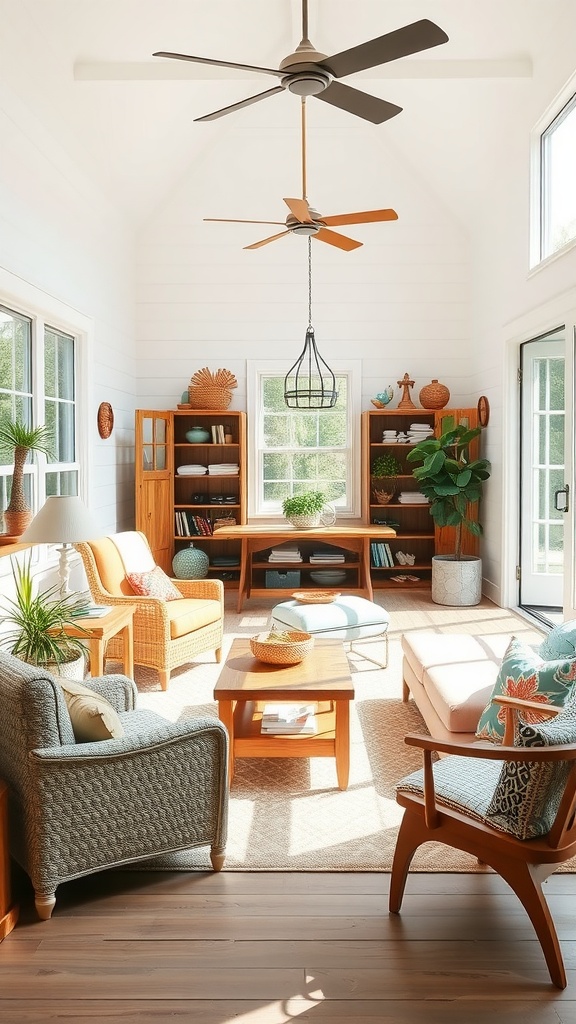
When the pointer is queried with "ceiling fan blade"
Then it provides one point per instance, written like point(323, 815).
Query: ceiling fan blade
point(420, 35)
point(218, 63)
point(256, 245)
point(230, 220)
point(300, 209)
point(238, 106)
point(334, 238)
point(367, 217)
point(359, 103)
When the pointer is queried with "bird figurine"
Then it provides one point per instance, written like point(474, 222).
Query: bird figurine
point(383, 397)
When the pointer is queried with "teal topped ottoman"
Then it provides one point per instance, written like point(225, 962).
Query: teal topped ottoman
point(347, 618)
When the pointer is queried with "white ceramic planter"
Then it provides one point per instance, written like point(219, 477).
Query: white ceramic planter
point(456, 582)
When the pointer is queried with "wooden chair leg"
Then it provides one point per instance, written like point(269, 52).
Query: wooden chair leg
point(522, 880)
point(218, 653)
point(217, 858)
point(411, 835)
point(164, 678)
point(405, 692)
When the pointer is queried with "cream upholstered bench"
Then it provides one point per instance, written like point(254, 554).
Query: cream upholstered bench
point(347, 618)
point(451, 677)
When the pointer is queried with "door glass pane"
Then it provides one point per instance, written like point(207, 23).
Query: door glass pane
point(542, 471)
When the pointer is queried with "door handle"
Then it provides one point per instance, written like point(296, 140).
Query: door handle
point(565, 493)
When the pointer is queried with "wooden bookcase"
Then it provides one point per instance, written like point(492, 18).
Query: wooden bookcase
point(163, 494)
point(415, 530)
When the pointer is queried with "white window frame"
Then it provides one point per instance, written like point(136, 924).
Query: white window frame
point(46, 311)
point(537, 260)
point(255, 370)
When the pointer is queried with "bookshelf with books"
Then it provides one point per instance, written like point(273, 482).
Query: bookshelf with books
point(190, 482)
point(405, 561)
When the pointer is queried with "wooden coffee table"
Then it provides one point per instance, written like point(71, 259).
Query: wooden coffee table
point(323, 678)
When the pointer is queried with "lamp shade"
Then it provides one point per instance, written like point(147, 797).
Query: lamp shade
point(63, 519)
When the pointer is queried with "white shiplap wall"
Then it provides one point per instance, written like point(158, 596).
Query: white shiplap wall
point(400, 302)
point(63, 242)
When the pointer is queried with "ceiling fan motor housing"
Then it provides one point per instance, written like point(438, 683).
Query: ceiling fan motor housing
point(305, 76)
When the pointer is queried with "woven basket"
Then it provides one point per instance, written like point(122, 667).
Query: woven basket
point(287, 648)
point(383, 497)
point(209, 398)
point(316, 596)
point(208, 390)
point(305, 522)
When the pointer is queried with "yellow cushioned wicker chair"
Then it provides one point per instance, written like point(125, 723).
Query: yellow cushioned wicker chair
point(166, 633)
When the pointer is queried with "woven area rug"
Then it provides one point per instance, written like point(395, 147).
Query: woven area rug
point(288, 814)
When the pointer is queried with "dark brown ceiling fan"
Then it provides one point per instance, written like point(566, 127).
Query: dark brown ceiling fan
point(304, 220)
point(307, 72)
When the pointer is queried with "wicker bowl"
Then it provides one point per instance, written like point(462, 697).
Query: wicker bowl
point(209, 398)
point(287, 648)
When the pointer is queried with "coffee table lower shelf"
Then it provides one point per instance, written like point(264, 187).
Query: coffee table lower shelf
point(249, 741)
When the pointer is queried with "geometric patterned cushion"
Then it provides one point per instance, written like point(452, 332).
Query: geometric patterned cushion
point(560, 642)
point(459, 783)
point(153, 584)
point(527, 795)
point(524, 674)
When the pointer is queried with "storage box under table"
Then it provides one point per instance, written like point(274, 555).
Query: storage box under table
point(278, 580)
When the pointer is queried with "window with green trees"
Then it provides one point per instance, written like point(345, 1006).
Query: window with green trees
point(38, 385)
point(300, 450)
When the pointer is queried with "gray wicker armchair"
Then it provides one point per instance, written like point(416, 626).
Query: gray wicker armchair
point(76, 808)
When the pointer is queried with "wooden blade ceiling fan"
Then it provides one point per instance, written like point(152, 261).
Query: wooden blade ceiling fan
point(303, 219)
point(307, 72)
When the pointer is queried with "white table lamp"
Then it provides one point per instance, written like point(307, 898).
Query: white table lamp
point(63, 520)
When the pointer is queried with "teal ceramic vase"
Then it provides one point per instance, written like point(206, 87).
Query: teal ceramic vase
point(197, 435)
point(190, 564)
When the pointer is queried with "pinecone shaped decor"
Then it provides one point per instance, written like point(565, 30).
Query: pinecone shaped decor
point(208, 390)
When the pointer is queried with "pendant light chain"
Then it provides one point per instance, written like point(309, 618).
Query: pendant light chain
point(309, 282)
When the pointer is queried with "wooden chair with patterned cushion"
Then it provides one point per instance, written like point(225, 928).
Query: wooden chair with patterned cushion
point(510, 806)
point(174, 621)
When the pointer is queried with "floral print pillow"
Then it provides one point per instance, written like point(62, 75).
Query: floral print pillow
point(524, 674)
point(154, 583)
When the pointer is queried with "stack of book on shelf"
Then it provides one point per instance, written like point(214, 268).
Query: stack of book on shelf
point(382, 557)
point(188, 524)
point(327, 556)
point(286, 553)
point(290, 718)
point(217, 431)
point(223, 469)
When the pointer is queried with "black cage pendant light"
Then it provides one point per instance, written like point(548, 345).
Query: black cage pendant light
point(310, 383)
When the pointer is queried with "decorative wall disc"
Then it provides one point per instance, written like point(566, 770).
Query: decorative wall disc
point(483, 411)
point(105, 419)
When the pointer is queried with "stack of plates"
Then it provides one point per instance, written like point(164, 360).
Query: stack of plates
point(328, 577)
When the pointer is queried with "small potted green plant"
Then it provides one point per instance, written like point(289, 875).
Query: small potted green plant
point(38, 635)
point(452, 482)
point(385, 468)
point(305, 510)
point(17, 439)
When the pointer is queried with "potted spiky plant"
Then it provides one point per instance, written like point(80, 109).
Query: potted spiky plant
point(38, 620)
point(17, 440)
point(453, 481)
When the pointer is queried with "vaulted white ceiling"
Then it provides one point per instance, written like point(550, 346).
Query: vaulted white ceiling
point(80, 74)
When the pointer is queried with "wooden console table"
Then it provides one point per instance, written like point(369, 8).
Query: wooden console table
point(258, 537)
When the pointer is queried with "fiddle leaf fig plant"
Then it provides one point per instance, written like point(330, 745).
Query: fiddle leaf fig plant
point(450, 480)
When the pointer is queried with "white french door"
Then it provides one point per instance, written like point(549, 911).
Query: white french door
point(544, 490)
point(547, 460)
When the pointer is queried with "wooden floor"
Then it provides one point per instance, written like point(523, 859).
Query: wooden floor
point(266, 948)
